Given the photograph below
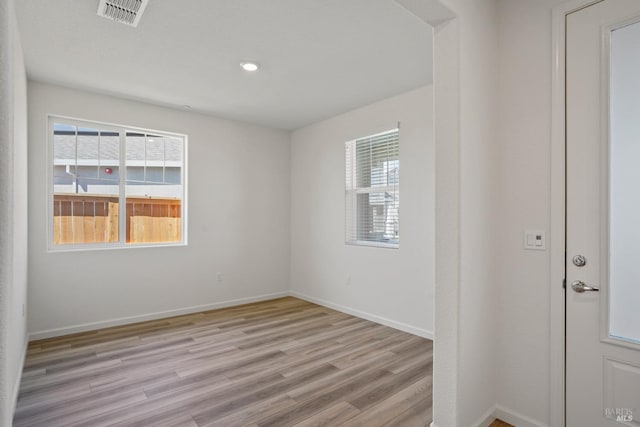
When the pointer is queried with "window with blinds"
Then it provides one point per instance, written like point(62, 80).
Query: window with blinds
point(372, 192)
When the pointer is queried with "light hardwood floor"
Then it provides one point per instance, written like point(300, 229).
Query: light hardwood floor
point(277, 363)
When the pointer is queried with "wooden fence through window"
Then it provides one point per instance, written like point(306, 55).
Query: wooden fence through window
point(85, 218)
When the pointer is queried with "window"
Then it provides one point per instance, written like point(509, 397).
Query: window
point(373, 190)
point(114, 186)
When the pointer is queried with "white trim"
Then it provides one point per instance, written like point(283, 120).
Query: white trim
point(16, 386)
point(84, 327)
point(373, 244)
point(86, 247)
point(365, 315)
point(515, 418)
point(557, 214)
point(150, 316)
point(390, 129)
point(506, 415)
point(486, 419)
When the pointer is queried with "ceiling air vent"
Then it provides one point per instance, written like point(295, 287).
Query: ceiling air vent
point(123, 11)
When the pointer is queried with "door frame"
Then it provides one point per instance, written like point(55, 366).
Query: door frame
point(557, 241)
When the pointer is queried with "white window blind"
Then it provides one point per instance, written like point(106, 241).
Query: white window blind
point(372, 192)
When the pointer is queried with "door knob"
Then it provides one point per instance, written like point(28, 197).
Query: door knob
point(580, 287)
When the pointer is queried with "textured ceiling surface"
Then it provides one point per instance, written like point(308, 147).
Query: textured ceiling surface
point(318, 58)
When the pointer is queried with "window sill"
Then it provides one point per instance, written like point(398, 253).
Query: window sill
point(374, 244)
point(100, 247)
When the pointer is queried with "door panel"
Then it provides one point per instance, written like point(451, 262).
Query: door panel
point(603, 147)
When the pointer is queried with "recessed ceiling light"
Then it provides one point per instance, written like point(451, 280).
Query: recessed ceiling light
point(249, 66)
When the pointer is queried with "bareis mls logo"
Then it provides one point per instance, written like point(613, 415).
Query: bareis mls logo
point(619, 414)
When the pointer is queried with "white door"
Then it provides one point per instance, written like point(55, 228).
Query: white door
point(603, 215)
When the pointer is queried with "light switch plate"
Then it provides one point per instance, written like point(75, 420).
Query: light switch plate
point(535, 240)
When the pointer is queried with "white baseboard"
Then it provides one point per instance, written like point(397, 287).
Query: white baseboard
point(486, 419)
point(16, 386)
point(56, 332)
point(368, 316)
point(150, 316)
point(506, 415)
point(515, 418)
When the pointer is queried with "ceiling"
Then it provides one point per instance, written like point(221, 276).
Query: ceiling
point(318, 58)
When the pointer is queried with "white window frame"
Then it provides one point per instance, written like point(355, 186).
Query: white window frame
point(122, 130)
point(352, 191)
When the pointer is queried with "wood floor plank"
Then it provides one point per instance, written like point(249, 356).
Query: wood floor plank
point(412, 417)
point(282, 362)
point(138, 413)
point(312, 406)
point(56, 396)
point(390, 385)
point(250, 414)
point(391, 408)
point(337, 414)
point(84, 407)
point(341, 377)
point(257, 394)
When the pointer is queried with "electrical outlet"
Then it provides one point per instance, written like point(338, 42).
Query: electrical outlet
point(347, 280)
point(219, 277)
point(24, 310)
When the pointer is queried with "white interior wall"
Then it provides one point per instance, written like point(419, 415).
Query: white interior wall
point(18, 323)
point(479, 156)
point(467, 196)
point(447, 132)
point(525, 137)
point(238, 221)
point(6, 209)
point(392, 286)
point(13, 199)
point(13, 208)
